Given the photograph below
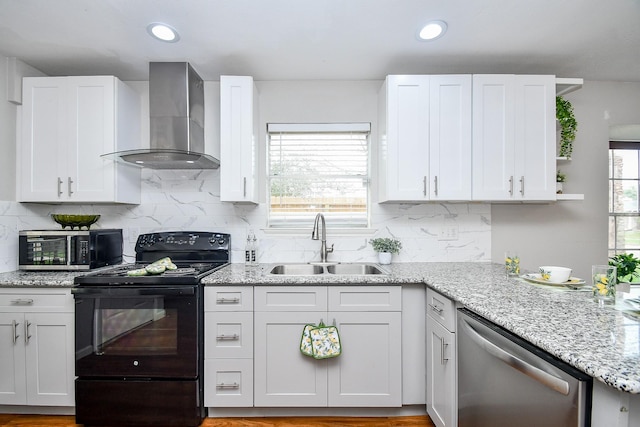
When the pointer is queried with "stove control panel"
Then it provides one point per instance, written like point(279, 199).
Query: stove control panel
point(183, 241)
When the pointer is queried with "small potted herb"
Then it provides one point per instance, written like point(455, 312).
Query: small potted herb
point(386, 247)
point(560, 179)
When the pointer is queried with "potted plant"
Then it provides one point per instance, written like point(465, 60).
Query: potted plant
point(386, 247)
point(568, 126)
point(560, 179)
point(626, 267)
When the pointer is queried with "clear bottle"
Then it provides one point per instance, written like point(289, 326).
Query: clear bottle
point(250, 250)
point(254, 251)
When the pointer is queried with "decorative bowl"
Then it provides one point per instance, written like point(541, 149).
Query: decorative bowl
point(555, 274)
point(74, 221)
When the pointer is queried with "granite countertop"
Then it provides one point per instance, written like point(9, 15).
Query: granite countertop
point(601, 341)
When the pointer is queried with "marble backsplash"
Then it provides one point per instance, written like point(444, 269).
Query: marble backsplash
point(189, 200)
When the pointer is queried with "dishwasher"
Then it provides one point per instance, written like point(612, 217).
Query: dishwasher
point(504, 380)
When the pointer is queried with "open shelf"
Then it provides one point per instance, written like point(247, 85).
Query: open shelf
point(567, 85)
point(569, 196)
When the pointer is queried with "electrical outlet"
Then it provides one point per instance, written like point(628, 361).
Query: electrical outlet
point(449, 232)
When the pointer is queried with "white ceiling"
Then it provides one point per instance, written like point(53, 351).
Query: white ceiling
point(327, 39)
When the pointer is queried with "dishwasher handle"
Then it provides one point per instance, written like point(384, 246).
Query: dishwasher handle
point(550, 381)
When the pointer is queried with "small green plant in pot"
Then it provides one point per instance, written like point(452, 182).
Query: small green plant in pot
point(385, 246)
point(626, 267)
point(560, 179)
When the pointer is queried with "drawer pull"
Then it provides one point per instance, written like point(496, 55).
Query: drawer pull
point(228, 337)
point(15, 324)
point(443, 346)
point(22, 301)
point(438, 310)
point(228, 300)
point(228, 386)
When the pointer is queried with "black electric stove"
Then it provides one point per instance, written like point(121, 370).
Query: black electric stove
point(139, 339)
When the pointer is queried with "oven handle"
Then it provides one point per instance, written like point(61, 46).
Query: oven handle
point(116, 291)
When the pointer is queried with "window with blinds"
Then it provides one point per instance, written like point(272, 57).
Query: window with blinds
point(318, 168)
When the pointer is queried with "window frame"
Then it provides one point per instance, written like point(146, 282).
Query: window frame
point(613, 216)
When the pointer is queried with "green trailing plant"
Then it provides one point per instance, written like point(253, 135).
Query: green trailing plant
point(568, 126)
point(386, 244)
point(560, 177)
point(626, 267)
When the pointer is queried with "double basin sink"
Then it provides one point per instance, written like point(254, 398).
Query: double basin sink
point(356, 269)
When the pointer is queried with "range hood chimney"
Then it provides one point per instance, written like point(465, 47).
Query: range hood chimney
point(176, 109)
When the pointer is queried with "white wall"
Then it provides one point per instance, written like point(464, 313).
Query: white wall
point(572, 233)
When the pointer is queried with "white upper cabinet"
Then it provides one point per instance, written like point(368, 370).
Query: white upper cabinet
point(425, 138)
point(513, 138)
point(67, 123)
point(238, 135)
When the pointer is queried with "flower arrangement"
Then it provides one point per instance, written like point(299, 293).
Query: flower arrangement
point(386, 244)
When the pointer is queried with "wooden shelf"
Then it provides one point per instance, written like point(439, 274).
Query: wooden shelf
point(563, 159)
point(569, 196)
point(567, 85)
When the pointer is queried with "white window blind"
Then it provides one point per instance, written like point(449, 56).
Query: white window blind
point(319, 168)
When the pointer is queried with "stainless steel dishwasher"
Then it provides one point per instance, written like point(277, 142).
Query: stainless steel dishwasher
point(504, 380)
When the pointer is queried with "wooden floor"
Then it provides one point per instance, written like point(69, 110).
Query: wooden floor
point(69, 421)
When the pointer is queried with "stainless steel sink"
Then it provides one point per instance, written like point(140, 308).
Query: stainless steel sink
point(357, 269)
point(297, 269)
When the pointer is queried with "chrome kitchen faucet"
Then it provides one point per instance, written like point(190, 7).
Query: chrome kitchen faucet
point(314, 235)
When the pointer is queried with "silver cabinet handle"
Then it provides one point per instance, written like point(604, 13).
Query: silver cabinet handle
point(233, 337)
point(228, 300)
point(435, 185)
point(511, 185)
point(59, 187)
point(438, 310)
point(424, 186)
point(551, 381)
point(22, 301)
point(27, 336)
point(15, 324)
point(522, 185)
point(443, 345)
point(69, 182)
point(244, 187)
point(228, 386)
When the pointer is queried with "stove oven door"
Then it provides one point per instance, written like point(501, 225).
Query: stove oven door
point(137, 332)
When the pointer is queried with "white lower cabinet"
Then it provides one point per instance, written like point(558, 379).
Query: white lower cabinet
point(36, 347)
point(441, 360)
point(228, 370)
point(368, 373)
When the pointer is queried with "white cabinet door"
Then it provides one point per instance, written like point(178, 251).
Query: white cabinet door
point(50, 359)
point(450, 137)
point(404, 148)
point(283, 375)
point(238, 138)
point(441, 374)
point(67, 124)
point(43, 146)
point(513, 138)
point(368, 373)
point(13, 387)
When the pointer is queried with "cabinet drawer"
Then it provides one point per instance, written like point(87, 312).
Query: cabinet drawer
point(370, 298)
point(228, 382)
point(228, 298)
point(442, 309)
point(291, 298)
point(228, 335)
point(25, 300)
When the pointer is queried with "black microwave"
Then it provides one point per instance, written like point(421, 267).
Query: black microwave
point(69, 250)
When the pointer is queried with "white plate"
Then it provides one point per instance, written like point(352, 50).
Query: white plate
point(537, 278)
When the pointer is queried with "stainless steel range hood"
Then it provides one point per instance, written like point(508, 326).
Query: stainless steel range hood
point(176, 109)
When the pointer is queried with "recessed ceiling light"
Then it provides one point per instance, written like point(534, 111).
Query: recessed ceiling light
point(432, 30)
point(163, 32)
